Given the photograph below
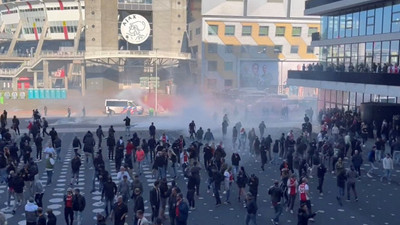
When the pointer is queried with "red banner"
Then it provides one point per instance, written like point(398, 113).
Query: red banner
point(29, 5)
point(65, 30)
point(61, 4)
point(35, 31)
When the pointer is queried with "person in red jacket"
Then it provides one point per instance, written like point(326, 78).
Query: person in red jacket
point(139, 158)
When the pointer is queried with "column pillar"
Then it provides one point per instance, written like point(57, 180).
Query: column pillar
point(46, 79)
point(83, 80)
point(14, 83)
point(35, 80)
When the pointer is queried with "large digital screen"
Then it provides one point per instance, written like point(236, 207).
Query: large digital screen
point(258, 74)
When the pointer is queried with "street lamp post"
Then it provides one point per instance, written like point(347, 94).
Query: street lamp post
point(156, 87)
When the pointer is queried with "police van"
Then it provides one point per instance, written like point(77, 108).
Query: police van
point(122, 106)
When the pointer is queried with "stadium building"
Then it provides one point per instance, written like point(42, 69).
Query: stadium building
point(251, 44)
point(91, 45)
point(359, 51)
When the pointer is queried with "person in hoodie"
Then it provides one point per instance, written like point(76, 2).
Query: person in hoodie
point(31, 212)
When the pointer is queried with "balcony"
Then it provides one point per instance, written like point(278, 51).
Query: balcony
point(386, 79)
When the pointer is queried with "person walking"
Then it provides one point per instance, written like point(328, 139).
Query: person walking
point(352, 176)
point(276, 194)
point(292, 191)
point(68, 207)
point(303, 190)
point(190, 192)
point(262, 128)
point(341, 182)
point(182, 210)
point(79, 204)
point(387, 168)
point(75, 166)
point(251, 207)
point(155, 200)
point(41, 218)
point(304, 215)
point(68, 112)
point(31, 212)
point(371, 160)
point(108, 193)
point(152, 130)
point(139, 204)
point(39, 192)
point(141, 219)
point(127, 121)
point(228, 179)
point(50, 168)
point(172, 205)
point(15, 125)
point(100, 135)
point(111, 146)
point(321, 171)
point(357, 161)
point(119, 212)
point(51, 218)
point(140, 156)
point(39, 147)
point(45, 126)
point(57, 147)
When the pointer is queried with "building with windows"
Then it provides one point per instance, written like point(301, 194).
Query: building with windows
point(251, 44)
point(78, 44)
point(359, 51)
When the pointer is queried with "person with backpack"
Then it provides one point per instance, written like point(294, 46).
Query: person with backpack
point(75, 166)
point(78, 205)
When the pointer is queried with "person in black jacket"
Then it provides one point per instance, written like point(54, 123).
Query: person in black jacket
point(53, 134)
point(51, 218)
point(190, 192)
point(152, 130)
point(253, 185)
point(111, 146)
point(75, 166)
point(109, 191)
point(172, 205)
point(18, 186)
point(155, 199)
point(88, 147)
point(119, 153)
point(276, 196)
point(321, 170)
point(78, 205)
point(139, 203)
point(76, 145)
point(304, 215)
point(41, 218)
point(39, 147)
point(99, 134)
point(252, 208)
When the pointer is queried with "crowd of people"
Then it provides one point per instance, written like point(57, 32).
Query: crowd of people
point(336, 148)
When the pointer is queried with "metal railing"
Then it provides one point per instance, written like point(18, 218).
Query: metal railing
point(137, 54)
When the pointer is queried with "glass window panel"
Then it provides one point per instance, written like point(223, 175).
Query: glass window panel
point(349, 24)
point(396, 22)
point(361, 53)
point(296, 32)
point(347, 50)
point(330, 27)
point(378, 20)
point(335, 51)
point(354, 54)
point(263, 31)
point(312, 30)
point(363, 24)
point(339, 97)
point(324, 28)
point(341, 50)
point(359, 98)
point(368, 49)
point(213, 30)
point(335, 27)
point(294, 49)
point(396, 8)
point(246, 30)
point(342, 27)
point(394, 47)
point(356, 24)
point(385, 52)
point(280, 31)
point(377, 52)
point(387, 19)
point(229, 30)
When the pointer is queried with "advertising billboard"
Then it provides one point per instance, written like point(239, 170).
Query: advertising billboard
point(258, 74)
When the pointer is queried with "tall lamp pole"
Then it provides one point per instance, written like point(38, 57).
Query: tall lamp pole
point(156, 88)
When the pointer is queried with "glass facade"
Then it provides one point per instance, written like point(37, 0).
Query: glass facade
point(363, 22)
point(368, 55)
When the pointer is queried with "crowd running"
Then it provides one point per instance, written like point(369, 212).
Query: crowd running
point(336, 149)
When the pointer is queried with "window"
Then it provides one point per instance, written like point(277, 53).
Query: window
point(278, 49)
point(378, 20)
point(212, 65)
point(229, 30)
point(280, 31)
point(246, 30)
point(312, 30)
point(363, 22)
point(294, 49)
point(310, 50)
point(263, 31)
point(296, 32)
point(228, 83)
point(356, 24)
point(212, 29)
point(396, 18)
point(198, 30)
point(387, 19)
point(212, 48)
point(228, 48)
point(349, 24)
point(228, 66)
point(370, 21)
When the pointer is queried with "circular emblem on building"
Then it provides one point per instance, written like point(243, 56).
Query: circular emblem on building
point(135, 29)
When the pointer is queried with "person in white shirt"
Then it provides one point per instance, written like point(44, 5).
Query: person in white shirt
point(141, 219)
point(387, 167)
point(121, 173)
point(49, 150)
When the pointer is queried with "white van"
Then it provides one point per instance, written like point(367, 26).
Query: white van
point(122, 106)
